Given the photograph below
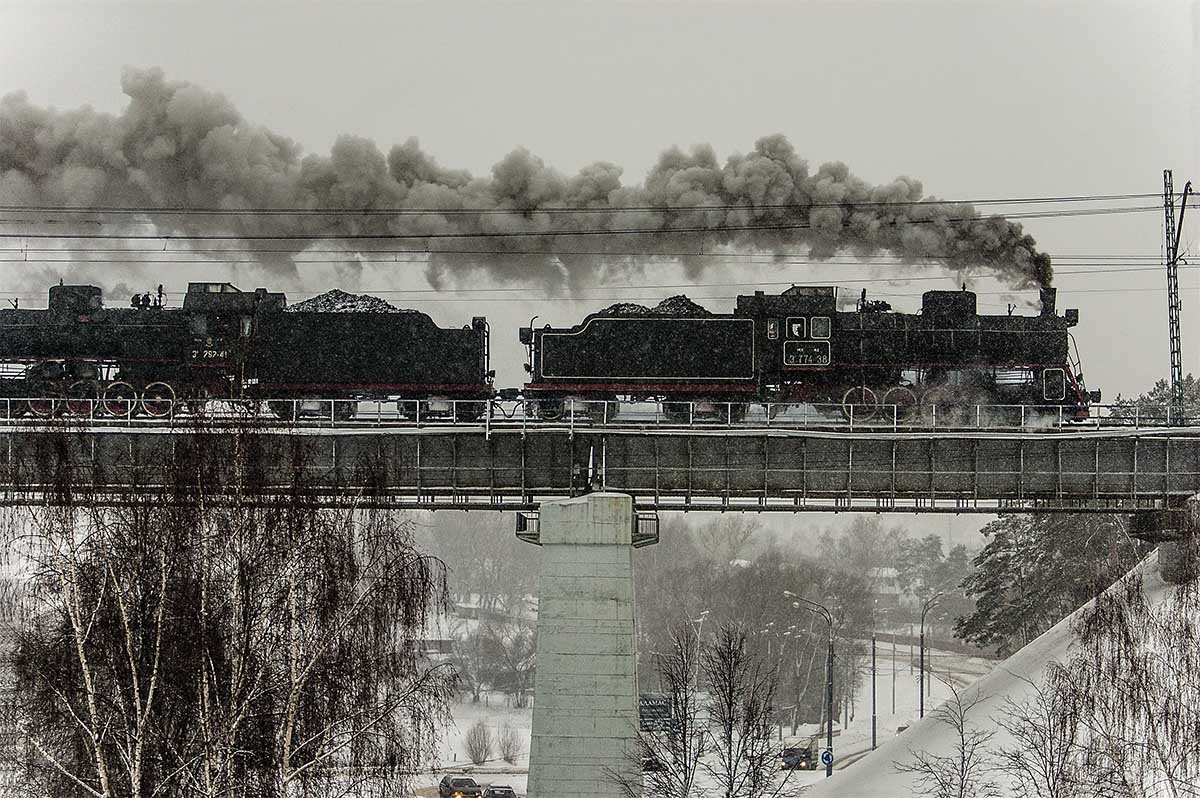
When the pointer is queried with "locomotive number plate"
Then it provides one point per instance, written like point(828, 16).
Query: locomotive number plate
point(806, 353)
point(210, 354)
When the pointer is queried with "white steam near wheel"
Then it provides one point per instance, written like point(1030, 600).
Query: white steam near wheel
point(903, 399)
point(157, 399)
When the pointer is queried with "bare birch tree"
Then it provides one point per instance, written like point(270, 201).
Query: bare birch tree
point(252, 649)
point(965, 772)
point(671, 757)
point(1133, 686)
point(743, 759)
point(1043, 759)
point(511, 651)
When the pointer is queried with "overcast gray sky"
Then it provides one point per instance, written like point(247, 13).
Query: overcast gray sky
point(975, 99)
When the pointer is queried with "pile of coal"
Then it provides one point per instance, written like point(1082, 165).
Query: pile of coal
point(678, 305)
point(338, 301)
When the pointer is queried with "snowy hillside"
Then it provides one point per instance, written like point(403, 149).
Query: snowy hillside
point(875, 776)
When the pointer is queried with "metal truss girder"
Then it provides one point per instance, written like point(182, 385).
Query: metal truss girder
point(792, 471)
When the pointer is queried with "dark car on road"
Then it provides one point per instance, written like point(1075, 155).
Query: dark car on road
point(499, 791)
point(800, 757)
point(459, 787)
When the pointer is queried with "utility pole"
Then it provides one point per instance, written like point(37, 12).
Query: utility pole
point(874, 739)
point(827, 616)
point(893, 671)
point(929, 604)
point(1172, 234)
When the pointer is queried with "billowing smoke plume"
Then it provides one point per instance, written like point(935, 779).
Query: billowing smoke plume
point(177, 145)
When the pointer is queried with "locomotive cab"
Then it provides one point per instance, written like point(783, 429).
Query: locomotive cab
point(74, 300)
point(797, 326)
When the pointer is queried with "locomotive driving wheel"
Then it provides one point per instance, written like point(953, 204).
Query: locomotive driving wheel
point(81, 397)
point(120, 399)
point(157, 400)
point(44, 407)
point(859, 403)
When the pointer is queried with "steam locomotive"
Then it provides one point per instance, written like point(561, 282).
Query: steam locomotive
point(79, 356)
point(234, 345)
point(798, 347)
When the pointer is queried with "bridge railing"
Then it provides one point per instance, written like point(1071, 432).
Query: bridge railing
point(575, 414)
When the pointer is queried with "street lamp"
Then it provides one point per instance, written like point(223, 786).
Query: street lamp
point(699, 630)
point(874, 717)
point(929, 604)
point(887, 614)
point(812, 606)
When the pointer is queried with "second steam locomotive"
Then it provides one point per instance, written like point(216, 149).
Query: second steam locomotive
point(798, 347)
point(794, 347)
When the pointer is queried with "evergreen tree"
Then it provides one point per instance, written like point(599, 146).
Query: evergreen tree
point(1154, 403)
point(1037, 569)
point(923, 570)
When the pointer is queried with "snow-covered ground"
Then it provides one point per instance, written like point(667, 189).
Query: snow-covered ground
point(453, 758)
point(875, 776)
point(853, 743)
point(850, 745)
point(859, 771)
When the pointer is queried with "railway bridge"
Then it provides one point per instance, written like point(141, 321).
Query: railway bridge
point(588, 489)
point(977, 462)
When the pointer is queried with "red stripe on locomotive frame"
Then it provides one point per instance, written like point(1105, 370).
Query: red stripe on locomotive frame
point(390, 387)
point(642, 387)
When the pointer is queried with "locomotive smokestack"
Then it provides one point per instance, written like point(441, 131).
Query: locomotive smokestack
point(176, 144)
point(1049, 295)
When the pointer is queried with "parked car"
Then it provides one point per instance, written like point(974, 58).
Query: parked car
point(499, 791)
point(459, 787)
point(800, 757)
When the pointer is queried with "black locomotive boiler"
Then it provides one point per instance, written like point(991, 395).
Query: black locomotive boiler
point(80, 356)
point(797, 347)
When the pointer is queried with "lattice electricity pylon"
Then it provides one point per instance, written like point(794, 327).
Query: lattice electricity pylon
point(1172, 234)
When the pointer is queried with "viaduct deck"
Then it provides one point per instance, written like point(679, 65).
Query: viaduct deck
point(688, 468)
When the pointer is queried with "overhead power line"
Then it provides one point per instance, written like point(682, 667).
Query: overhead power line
point(403, 211)
point(490, 234)
point(1064, 272)
point(877, 259)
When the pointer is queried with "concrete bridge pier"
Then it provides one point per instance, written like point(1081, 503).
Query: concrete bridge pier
point(585, 705)
point(1179, 560)
point(1177, 533)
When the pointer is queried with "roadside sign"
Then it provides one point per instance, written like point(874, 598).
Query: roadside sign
point(654, 711)
point(827, 757)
